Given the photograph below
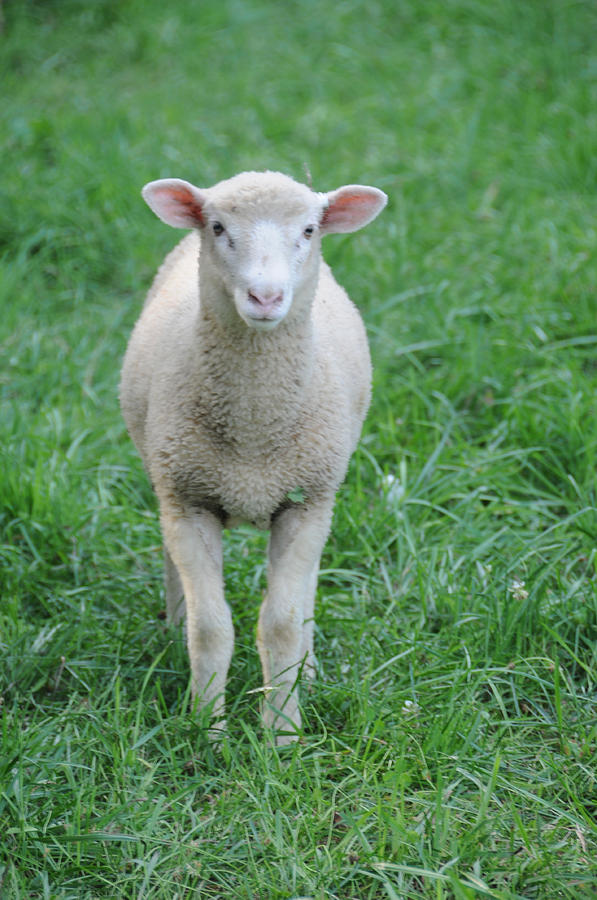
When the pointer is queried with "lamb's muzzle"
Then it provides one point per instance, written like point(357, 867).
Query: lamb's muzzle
point(266, 306)
point(244, 388)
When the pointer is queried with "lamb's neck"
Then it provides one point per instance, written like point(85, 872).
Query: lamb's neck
point(254, 384)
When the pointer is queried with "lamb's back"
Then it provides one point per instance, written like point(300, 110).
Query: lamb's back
point(161, 334)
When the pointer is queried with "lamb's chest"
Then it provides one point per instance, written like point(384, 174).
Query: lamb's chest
point(251, 483)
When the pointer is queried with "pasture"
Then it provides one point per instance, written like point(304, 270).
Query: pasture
point(450, 741)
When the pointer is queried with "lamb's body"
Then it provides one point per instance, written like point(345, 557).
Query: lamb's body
point(234, 423)
point(231, 419)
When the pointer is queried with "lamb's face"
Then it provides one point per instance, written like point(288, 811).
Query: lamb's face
point(260, 236)
point(265, 246)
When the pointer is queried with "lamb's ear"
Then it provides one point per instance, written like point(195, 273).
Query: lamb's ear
point(350, 208)
point(175, 202)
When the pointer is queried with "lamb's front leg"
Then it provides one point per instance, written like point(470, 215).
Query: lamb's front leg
point(194, 543)
point(283, 637)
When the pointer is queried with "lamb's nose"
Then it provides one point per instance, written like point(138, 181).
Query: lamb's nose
point(265, 301)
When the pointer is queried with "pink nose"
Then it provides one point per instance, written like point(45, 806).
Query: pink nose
point(265, 302)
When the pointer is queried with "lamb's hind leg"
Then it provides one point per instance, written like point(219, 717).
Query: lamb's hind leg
point(194, 543)
point(284, 637)
point(175, 607)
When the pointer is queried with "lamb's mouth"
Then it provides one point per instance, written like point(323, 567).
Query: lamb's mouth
point(262, 323)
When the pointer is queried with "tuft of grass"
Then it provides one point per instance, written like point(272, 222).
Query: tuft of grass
point(449, 743)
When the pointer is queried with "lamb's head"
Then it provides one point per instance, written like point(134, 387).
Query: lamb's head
point(260, 236)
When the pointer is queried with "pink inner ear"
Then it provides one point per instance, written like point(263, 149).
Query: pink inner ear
point(180, 202)
point(176, 202)
point(349, 209)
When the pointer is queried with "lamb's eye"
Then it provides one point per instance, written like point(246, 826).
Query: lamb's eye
point(308, 232)
point(217, 228)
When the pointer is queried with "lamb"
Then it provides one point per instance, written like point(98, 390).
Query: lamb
point(244, 388)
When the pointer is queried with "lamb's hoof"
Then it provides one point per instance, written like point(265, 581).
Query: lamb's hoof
point(217, 734)
point(281, 733)
point(286, 738)
point(309, 672)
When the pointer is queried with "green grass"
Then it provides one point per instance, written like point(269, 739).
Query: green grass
point(449, 746)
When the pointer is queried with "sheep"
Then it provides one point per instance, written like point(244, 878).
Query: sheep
point(244, 388)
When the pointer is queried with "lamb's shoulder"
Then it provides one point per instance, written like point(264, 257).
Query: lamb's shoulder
point(343, 347)
point(337, 319)
point(178, 274)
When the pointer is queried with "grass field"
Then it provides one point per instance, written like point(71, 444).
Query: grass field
point(449, 747)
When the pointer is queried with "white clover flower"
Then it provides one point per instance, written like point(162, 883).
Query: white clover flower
point(394, 486)
point(517, 589)
point(410, 708)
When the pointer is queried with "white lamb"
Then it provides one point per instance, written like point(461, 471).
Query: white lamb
point(244, 388)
